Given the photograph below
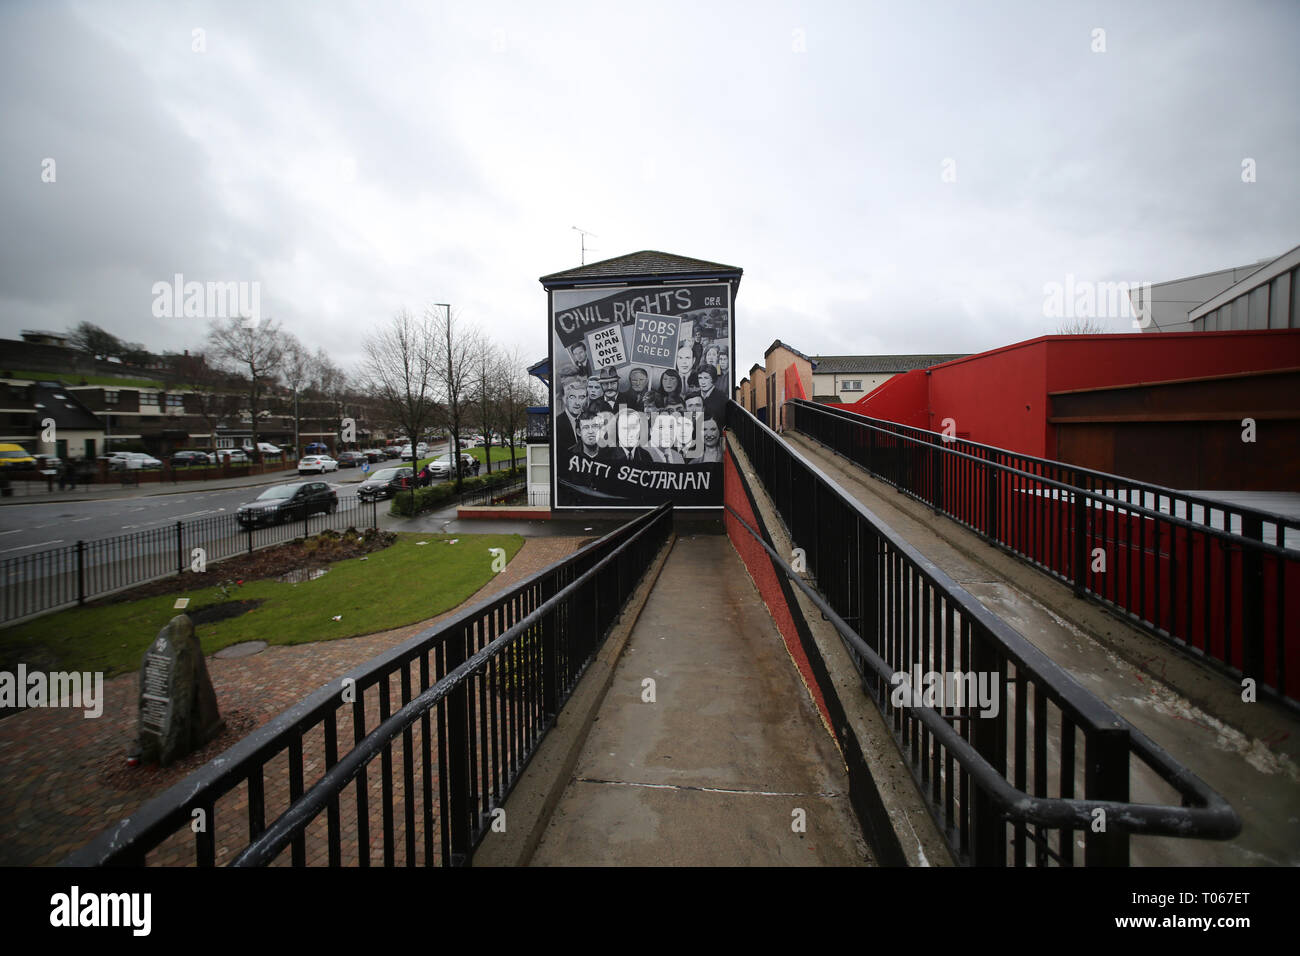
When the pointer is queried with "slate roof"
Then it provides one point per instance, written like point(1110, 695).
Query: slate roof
point(49, 400)
point(647, 263)
point(867, 364)
point(778, 344)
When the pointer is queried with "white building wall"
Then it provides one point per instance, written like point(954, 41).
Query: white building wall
point(539, 475)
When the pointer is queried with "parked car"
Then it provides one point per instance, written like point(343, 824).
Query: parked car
point(374, 455)
point(48, 464)
point(384, 484)
point(265, 447)
point(316, 448)
point(15, 458)
point(440, 467)
point(135, 460)
point(236, 456)
point(292, 502)
point(351, 459)
point(318, 464)
point(182, 459)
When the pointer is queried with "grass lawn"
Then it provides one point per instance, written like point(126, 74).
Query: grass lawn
point(76, 379)
point(404, 583)
point(498, 454)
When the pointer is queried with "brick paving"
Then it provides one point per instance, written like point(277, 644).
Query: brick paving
point(63, 777)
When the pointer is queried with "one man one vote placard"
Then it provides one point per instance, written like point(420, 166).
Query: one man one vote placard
point(605, 346)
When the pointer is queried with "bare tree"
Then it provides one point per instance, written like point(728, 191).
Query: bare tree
point(1082, 327)
point(297, 375)
point(484, 398)
point(256, 353)
point(398, 370)
point(330, 383)
point(95, 342)
point(515, 392)
point(455, 347)
point(209, 391)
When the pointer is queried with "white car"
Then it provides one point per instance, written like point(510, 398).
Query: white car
point(133, 460)
point(318, 464)
point(265, 447)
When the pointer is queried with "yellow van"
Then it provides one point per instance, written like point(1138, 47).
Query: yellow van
point(16, 457)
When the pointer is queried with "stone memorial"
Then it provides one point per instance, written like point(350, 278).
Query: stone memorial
point(178, 707)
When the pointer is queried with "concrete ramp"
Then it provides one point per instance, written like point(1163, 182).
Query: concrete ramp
point(729, 764)
point(1245, 751)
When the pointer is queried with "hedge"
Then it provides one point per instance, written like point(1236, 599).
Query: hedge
point(428, 499)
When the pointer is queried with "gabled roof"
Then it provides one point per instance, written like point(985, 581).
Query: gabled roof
point(49, 400)
point(868, 364)
point(778, 344)
point(647, 264)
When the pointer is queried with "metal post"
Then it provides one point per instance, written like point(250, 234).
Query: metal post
point(1080, 537)
point(992, 528)
point(1106, 777)
point(988, 734)
point(550, 653)
point(81, 572)
point(937, 475)
point(180, 548)
point(458, 770)
point(1252, 603)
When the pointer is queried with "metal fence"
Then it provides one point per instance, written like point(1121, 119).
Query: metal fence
point(452, 716)
point(1018, 784)
point(73, 574)
point(1215, 580)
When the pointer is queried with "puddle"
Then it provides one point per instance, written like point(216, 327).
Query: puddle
point(302, 574)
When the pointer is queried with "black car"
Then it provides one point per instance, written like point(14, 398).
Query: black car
point(351, 459)
point(292, 502)
point(384, 484)
point(182, 458)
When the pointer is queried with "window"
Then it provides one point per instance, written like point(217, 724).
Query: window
point(175, 401)
point(851, 385)
point(225, 443)
point(148, 398)
point(110, 398)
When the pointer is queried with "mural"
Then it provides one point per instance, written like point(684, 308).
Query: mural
point(641, 379)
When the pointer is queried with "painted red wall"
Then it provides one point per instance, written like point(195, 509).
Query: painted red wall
point(997, 398)
point(760, 570)
point(1000, 398)
point(903, 398)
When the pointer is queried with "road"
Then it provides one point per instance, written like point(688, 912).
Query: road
point(31, 528)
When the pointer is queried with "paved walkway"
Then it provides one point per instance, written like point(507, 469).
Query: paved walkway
point(63, 778)
point(730, 764)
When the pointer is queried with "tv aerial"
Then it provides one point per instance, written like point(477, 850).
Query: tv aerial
point(583, 241)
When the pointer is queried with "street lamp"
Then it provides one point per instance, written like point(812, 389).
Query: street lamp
point(453, 446)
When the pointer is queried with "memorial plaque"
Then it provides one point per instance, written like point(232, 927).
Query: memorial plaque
point(177, 705)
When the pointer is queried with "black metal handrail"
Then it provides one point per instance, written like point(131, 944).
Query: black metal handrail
point(978, 772)
point(1120, 485)
point(488, 687)
point(1217, 594)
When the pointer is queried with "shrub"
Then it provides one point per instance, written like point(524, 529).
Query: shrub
point(427, 499)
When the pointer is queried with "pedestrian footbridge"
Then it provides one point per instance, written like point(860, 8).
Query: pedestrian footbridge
point(900, 652)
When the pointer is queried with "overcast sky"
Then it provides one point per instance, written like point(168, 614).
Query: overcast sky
point(357, 158)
